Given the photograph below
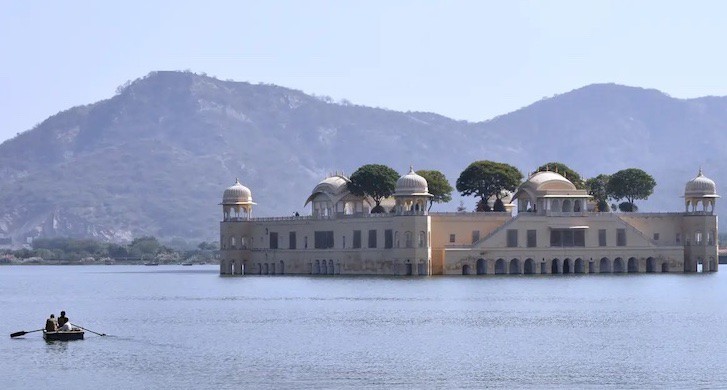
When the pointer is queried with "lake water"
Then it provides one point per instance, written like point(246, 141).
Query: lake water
point(186, 327)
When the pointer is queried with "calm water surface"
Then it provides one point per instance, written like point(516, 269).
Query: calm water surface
point(181, 327)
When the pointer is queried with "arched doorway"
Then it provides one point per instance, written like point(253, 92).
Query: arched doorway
point(618, 265)
point(579, 266)
point(554, 267)
point(529, 267)
point(566, 266)
point(604, 266)
point(650, 265)
point(665, 267)
point(466, 269)
point(514, 267)
point(227, 267)
point(481, 267)
point(633, 265)
point(500, 267)
point(282, 267)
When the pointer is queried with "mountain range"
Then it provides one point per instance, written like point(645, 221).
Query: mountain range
point(155, 158)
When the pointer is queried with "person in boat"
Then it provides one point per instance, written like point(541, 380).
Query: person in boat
point(62, 319)
point(67, 327)
point(51, 325)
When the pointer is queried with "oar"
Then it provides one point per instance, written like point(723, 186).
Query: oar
point(89, 330)
point(23, 333)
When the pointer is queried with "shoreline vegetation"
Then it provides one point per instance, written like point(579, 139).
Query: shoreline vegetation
point(143, 250)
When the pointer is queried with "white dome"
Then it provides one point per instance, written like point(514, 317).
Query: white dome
point(237, 194)
point(411, 184)
point(331, 185)
point(553, 179)
point(700, 186)
point(335, 187)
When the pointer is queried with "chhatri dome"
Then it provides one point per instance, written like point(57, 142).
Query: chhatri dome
point(237, 194)
point(334, 185)
point(411, 184)
point(550, 193)
point(700, 186)
point(702, 190)
point(237, 202)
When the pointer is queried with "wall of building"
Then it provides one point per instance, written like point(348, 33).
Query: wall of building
point(509, 244)
point(400, 256)
point(650, 242)
point(462, 226)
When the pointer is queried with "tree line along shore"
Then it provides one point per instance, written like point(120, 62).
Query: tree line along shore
point(141, 250)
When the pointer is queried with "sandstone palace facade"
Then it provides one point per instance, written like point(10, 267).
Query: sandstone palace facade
point(553, 231)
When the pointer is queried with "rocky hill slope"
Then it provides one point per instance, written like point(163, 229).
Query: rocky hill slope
point(155, 158)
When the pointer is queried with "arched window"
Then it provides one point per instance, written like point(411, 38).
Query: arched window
point(422, 237)
point(232, 242)
point(408, 239)
point(577, 206)
point(566, 206)
point(555, 205)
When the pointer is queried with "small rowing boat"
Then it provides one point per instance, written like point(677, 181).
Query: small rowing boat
point(63, 335)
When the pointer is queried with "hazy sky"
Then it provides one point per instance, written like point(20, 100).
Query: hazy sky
point(466, 60)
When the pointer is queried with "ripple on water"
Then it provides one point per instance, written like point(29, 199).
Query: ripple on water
point(181, 329)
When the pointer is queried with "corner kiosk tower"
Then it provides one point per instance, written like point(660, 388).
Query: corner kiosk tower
point(700, 224)
point(236, 207)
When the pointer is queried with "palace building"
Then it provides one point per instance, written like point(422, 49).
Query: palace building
point(553, 230)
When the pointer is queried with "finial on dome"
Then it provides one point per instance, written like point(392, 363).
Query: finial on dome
point(237, 180)
point(700, 171)
point(411, 168)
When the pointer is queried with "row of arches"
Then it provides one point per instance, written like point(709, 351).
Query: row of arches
point(317, 267)
point(321, 267)
point(232, 267)
point(567, 205)
point(269, 268)
point(564, 266)
point(708, 265)
point(236, 212)
point(692, 205)
point(411, 206)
